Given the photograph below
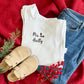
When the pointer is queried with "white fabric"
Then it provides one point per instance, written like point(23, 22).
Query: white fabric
point(50, 48)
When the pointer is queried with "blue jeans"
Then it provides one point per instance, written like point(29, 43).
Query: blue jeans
point(74, 44)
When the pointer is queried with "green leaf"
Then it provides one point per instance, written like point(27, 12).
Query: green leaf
point(2, 71)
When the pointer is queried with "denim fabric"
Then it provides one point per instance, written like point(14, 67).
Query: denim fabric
point(74, 44)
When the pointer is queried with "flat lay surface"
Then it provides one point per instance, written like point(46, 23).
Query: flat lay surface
point(10, 19)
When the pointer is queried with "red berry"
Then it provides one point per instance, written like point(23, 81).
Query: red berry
point(55, 73)
point(56, 77)
point(60, 68)
point(41, 67)
point(53, 64)
point(48, 67)
point(50, 79)
point(44, 67)
point(60, 73)
point(58, 63)
point(57, 70)
point(53, 70)
point(40, 71)
point(47, 71)
point(56, 66)
point(43, 72)
point(38, 74)
point(50, 73)
point(37, 78)
point(41, 75)
point(41, 79)
point(1, 49)
point(62, 63)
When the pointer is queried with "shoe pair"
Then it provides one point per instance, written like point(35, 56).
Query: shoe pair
point(21, 63)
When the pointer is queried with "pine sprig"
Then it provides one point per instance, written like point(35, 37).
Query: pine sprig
point(8, 45)
point(1, 71)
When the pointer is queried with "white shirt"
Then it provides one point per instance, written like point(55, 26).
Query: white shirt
point(44, 36)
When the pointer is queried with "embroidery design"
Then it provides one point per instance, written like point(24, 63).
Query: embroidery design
point(38, 38)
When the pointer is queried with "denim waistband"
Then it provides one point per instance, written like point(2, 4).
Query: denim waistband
point(74, 17)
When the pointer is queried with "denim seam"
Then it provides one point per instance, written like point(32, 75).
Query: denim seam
point(72, 15)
